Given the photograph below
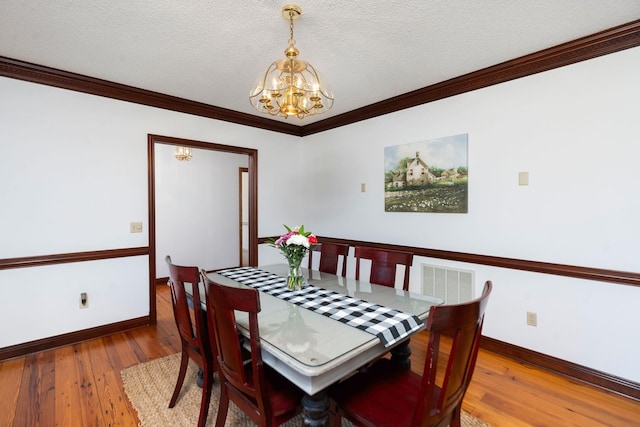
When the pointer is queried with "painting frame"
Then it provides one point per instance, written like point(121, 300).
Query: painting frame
point(428, 176)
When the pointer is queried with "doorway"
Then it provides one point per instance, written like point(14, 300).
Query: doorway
point(243, 186)
point(251, 204)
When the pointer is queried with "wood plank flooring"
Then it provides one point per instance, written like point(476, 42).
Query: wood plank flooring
point(80, 385)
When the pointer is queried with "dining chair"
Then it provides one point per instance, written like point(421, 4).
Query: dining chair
point(194, 335)
point(329, 257)
point(387, 394)
point(260, 392)
point(383, 265)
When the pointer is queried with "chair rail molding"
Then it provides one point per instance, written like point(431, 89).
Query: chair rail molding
point(589, 273)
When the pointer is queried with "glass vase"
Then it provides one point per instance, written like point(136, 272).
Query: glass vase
point(295, 281)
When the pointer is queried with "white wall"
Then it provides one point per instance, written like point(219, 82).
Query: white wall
point(575, 130)
point(74, 175)
point(197, 208)
point(44, 301)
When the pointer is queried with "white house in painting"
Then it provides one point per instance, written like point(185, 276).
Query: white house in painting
point(418, 172)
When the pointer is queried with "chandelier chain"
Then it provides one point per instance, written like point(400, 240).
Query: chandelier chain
point(291, 39)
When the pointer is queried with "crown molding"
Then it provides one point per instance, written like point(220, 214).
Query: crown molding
point(605, 42)
point(35, 73)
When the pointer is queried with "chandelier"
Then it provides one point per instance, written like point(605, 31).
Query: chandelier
point(183, 153)
point(291, 86)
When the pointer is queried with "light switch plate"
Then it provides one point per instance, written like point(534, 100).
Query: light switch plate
point(135, 227)
point(523, 178)
point(532, 318)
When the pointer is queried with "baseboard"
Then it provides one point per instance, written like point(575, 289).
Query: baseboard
point(574, 371)
point(71, 338)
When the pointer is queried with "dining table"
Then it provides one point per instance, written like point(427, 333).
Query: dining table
point(315, 345)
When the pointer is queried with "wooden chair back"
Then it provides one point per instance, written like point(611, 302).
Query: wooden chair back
point(391, 395)
point(329, 257)
point(383, 265)
point(223, 301)
point(191, 329)
point(191, 321)
point(249, 385)
point(462, 323)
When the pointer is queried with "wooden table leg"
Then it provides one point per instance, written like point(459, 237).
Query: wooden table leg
point(401, 354)
point(315, 410)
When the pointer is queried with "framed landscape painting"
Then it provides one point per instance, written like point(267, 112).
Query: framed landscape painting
point(427, 176)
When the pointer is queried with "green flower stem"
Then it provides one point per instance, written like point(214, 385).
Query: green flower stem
point(295, 281)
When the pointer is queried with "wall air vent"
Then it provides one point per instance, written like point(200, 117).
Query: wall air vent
point(452, 285)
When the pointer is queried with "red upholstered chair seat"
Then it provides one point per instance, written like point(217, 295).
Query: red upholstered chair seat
point(390, 409)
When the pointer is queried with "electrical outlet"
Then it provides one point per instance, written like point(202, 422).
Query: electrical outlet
point(135, 227)
point(532, 318)
point(84, 300)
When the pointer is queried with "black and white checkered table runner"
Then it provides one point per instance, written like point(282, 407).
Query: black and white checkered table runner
point(389, 325)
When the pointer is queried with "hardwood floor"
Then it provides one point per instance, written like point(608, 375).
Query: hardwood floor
point(80, 385)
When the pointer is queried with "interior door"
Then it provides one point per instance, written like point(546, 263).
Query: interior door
point(244, 215)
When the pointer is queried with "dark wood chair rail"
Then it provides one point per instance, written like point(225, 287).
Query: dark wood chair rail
point(580, 272)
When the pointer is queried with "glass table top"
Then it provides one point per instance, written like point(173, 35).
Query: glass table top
point(313, 340)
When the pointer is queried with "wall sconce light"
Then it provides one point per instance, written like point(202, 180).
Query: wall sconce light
point(183, 153)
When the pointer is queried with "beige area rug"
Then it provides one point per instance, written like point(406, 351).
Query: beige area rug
point(149, 387)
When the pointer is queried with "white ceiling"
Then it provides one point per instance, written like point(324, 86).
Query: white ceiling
point(211, 51)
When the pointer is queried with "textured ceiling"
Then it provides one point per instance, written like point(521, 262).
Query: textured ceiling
point(212, 51)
